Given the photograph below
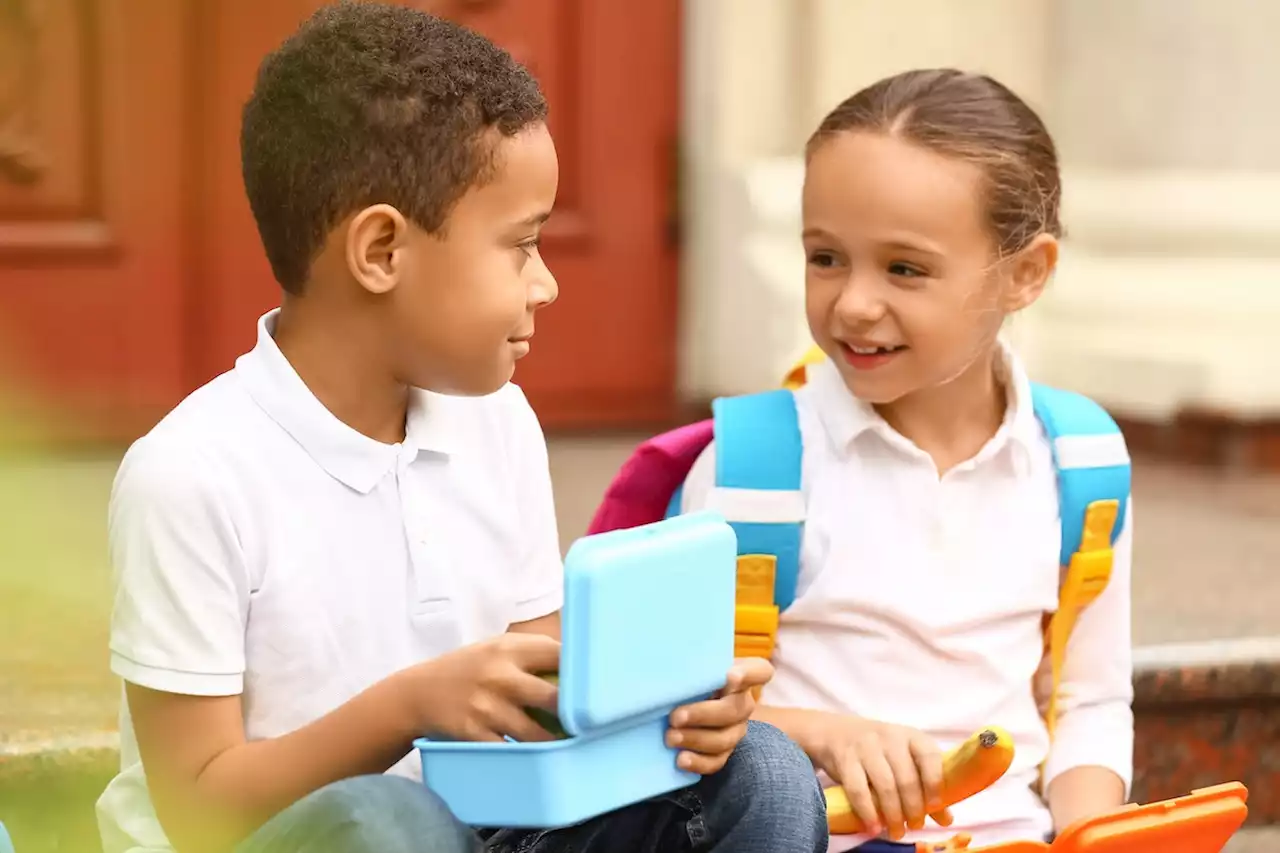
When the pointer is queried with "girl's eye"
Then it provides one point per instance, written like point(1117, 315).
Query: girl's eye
point(530, 246)
point(905, 270)
point(822, 259)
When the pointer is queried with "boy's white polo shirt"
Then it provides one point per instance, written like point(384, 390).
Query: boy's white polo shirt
point(262, 547)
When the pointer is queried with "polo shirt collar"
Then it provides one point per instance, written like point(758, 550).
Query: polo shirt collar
point(845, 418)
point(349, 456)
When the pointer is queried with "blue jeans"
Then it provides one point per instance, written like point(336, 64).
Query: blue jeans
point(766, 799)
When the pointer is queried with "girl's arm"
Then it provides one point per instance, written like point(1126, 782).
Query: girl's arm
point(808, 728)
point(1090, 764)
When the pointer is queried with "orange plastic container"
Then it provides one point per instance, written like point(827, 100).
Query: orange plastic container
point(1201, 822)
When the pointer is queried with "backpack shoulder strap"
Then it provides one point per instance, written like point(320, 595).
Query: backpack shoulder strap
point(757, 490)
point(1091, 460)
point(1094, 476)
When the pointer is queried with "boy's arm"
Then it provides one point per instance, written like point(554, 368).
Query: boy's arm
point(548, 625)
point(177, 640)
point(211, 788)
point(1090, 764)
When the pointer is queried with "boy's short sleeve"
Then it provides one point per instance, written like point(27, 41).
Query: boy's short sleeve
point(181, 585)
point(541, 573)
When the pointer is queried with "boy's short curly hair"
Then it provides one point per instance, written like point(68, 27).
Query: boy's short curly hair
point(371, 103)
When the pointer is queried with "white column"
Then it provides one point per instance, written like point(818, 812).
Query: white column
point(760, 76)
point(1168, 290)
point(739, 109)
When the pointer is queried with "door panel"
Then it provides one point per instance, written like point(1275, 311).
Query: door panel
point(605, 353)
point(91, 142)
point(130, 268)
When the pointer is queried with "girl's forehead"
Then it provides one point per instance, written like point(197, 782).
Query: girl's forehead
point(874, 183)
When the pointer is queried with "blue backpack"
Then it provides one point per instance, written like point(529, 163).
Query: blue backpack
point(758, 490)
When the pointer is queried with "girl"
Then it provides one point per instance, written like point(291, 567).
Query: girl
point(930, 547)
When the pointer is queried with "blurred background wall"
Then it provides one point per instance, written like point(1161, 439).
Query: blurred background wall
point(1166, 298)
point(130, 270)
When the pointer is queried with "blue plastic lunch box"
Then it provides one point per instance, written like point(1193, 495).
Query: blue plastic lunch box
point(647, 626)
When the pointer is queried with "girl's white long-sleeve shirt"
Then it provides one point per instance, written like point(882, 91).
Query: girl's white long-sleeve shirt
point(920, 599)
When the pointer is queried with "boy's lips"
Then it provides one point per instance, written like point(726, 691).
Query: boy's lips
point(521, 344)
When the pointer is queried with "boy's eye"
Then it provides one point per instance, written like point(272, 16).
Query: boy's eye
point(530, 246)
point(822, 259)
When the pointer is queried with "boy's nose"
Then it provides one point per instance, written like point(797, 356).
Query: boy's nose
point(544, 289)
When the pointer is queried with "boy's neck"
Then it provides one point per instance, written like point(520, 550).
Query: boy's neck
point(338, 356)
point(953, 421)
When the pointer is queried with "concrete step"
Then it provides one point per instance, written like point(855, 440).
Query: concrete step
point(1206, 713)
point(1258, 839)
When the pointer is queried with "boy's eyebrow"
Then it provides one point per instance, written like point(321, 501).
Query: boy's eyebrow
point(535, 219)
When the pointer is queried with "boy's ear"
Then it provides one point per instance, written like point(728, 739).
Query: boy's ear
point(375, 246)
point(1029, 272)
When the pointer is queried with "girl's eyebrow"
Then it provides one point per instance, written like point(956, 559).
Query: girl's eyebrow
point(910, 243)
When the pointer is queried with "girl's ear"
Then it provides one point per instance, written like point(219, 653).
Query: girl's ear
point(1029, 271)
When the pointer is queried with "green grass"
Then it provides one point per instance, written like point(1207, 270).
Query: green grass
point(55, 687)
point(55, 597)
point(46, 803)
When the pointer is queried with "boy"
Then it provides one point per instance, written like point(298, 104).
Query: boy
point(349, 539)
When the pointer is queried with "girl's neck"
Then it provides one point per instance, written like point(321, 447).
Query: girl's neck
point(336, 354)
point(953, 421)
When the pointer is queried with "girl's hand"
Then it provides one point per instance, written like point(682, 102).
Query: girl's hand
point(891, 774)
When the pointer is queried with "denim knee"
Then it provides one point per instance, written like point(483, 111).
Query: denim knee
point(771, 773)
point(366, 814)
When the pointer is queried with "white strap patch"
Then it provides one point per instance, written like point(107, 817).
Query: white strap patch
point(758, 506)
point(1091, 451)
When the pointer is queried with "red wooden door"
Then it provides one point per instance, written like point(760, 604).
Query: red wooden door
point(605, 353)
point(92, 135)
point(130, 270)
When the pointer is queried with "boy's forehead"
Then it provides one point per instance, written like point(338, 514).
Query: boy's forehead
point(523, 178)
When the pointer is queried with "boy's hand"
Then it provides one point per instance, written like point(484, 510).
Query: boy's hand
point(707, 732)
point(896, 767)
point(479, 692)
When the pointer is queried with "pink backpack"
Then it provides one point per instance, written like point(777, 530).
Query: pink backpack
point(647, 488)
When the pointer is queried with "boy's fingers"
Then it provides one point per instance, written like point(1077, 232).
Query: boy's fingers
point(703, 765)
point(747, 673)
point(533, 652)
point(515, 723)
point(714, 713)
point(706, 741)
point(525, 689)
point(942, 818)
